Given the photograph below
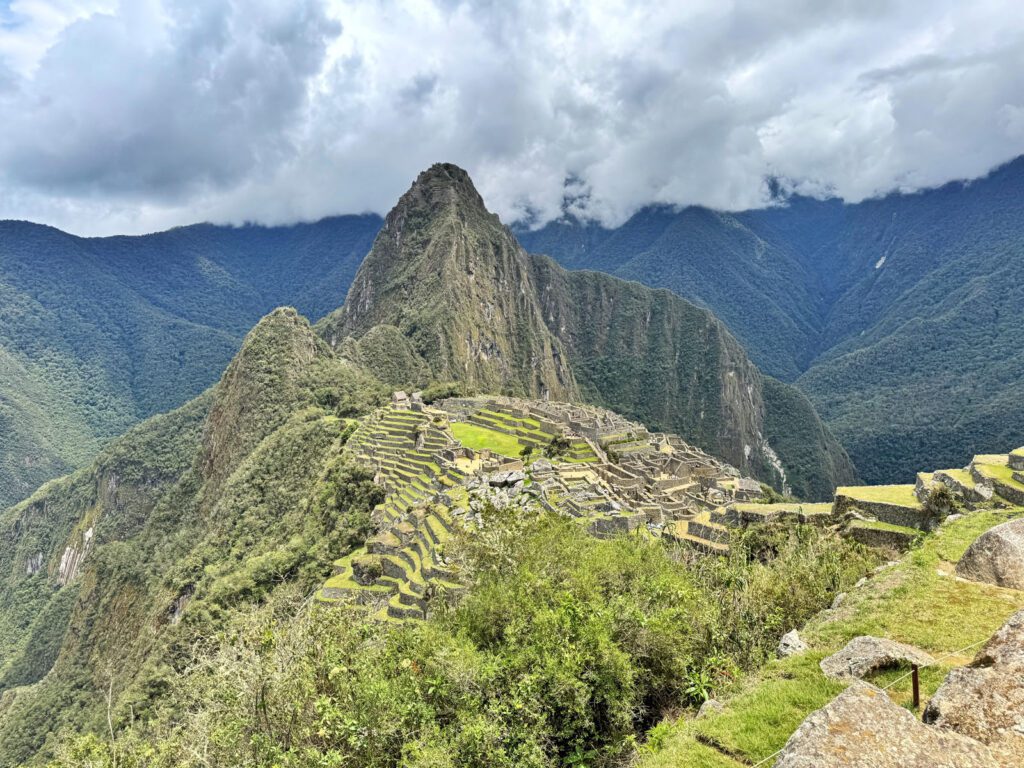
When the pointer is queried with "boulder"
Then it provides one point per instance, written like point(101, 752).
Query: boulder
point(791, 644)
point(865, 654)
point(996, 557)
point(986, 699)
point(863, 728)
point(709, 707)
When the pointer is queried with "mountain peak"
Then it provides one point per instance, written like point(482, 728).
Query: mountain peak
point(455, 282)
point(442, 187)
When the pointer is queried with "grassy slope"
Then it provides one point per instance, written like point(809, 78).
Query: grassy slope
point(886, 494)
point(482, 439)
point(917, 601)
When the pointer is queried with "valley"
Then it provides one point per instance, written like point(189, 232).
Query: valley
point(478, 470)
point(895, 315)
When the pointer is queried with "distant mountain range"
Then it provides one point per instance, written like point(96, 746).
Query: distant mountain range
point(900, 318)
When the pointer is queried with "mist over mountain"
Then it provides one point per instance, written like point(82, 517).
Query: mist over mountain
point(899, 317)
point(478, 309)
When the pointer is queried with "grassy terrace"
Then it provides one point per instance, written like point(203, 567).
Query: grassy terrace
point(900, 495)
point(960, 475)
point(917, 601)
point(1000, 472)
point(482, 439)
point(824, 508)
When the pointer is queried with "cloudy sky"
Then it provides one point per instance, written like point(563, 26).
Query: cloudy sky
point(136, 115)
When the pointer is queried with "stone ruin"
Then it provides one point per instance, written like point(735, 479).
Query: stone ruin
point(609, 473)
point(596, 466)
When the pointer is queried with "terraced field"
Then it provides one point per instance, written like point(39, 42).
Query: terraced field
point(592, 465)
point(403, 564)
point(428, 459)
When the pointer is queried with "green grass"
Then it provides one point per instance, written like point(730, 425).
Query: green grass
point(1017, 451)
point(961, 476)
point(807, 509)
point(901, 495)
point(479, 438)
point(910, 602)
point(1002, 473)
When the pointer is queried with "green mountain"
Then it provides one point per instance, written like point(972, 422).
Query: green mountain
point(898, 317)
point(453, 280)
point(476, 308)
point(98, 333)
point(207, 505)
point(154, 606)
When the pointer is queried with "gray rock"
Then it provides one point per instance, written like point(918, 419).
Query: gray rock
point(986, 699)
point(709, 707)
point(863, 728)
point(791, 644)
point(996, 557)
point(838, 601)
point(865, 654)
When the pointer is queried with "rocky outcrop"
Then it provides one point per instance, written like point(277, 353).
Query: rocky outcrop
point(73, 558)
point(863, 728)
point(986, 699)
point(996, 557)
point(865, 654)
point(791, 644)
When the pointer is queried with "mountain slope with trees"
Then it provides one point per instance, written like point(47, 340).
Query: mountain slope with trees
point(479, 310)
point(899, 317)
point(98, 333)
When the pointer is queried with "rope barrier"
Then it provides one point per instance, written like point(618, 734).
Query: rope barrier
point(764, 760)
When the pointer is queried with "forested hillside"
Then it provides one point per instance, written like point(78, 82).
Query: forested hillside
point(154, 606)
point(97, 334)
point(899, 317)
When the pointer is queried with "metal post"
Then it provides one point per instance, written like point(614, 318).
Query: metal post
point(917, 686)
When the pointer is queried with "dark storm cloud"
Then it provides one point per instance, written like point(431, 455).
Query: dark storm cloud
point(134, 115)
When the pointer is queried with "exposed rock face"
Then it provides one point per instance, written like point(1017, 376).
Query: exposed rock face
point(709, 707)
point(986, 699)
point(996, 557)
point(791, 644)
point(73, 558)
point(864, 655)
point(863, 728)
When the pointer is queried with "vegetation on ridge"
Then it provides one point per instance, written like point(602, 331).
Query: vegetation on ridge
point(564, 650)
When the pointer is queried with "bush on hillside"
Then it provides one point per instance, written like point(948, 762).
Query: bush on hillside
point(565, 649)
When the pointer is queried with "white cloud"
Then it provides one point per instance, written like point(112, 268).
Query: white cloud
point(158, 112)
